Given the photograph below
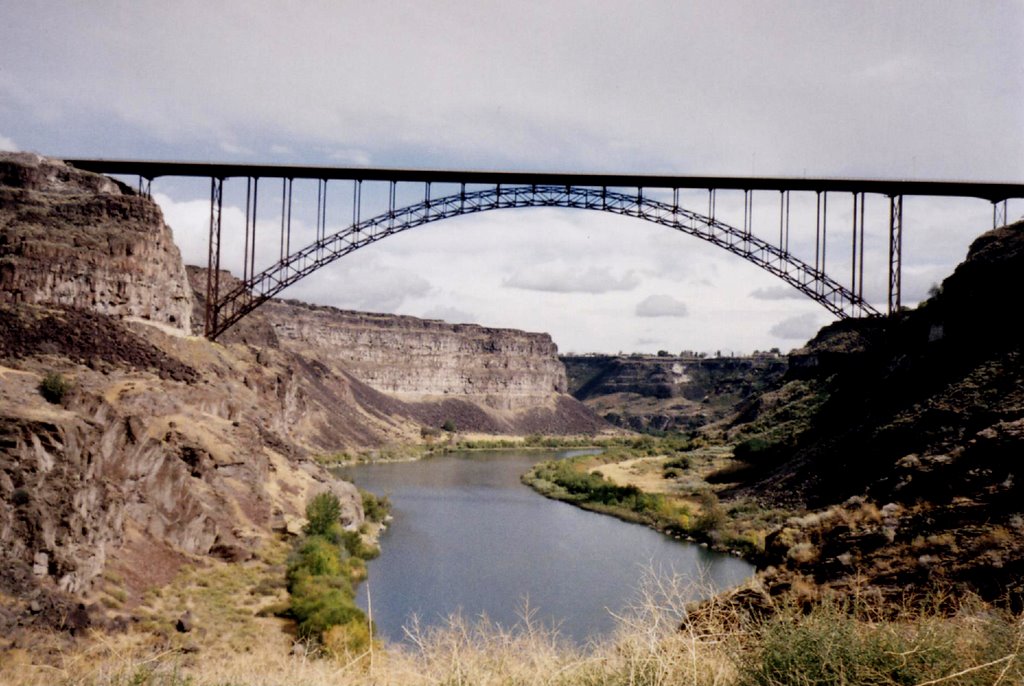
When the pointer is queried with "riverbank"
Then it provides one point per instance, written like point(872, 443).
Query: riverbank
point(662, 639)
point(663, 483)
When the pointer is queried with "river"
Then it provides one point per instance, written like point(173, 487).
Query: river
point(468, 537)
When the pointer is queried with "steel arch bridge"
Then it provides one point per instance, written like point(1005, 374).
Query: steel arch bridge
point(260, 287)
point(596, 192)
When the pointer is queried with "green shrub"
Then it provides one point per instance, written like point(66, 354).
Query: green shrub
point(678, 462)
point(830, 645)
point(317, 556)
point(712, 515)
point(352, 542)
point(318, 603)
point(54, 387)
point(448, 426)
point(750, 448)
point(322, 512)
point(375, 508)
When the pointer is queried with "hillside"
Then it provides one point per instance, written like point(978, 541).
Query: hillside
point(131, 450)
point(904, 437)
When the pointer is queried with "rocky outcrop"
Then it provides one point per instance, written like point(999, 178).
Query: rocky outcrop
point(908, 442)
point(162, 449)
point(75, 238)
point(667, 392)
point(420, 359)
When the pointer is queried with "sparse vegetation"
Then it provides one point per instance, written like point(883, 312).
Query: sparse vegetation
point(684, 504)
point(661, 641)
point(375, 508)
point(54, 387)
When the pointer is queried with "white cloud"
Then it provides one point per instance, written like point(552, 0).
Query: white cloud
point(359, 158)
point(560, 277)
point(8, 145)
point(801, 327)
point(233, 148)
point(362, 282)
point(661, 306)
point(777, 293)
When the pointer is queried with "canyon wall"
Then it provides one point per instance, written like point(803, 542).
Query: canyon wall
point(162, 449)
point(76, 238)
point(669, 393)
point(421, 360)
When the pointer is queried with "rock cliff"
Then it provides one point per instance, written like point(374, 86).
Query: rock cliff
point(77, 238)
point(130, 447)
point(904, 435)
point(399, 375)
point(669, 393)
point(158, 451)
point(421, 360)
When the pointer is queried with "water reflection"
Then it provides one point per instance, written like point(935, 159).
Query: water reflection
point(468, 536)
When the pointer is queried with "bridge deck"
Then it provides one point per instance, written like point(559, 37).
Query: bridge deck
point(149, 169)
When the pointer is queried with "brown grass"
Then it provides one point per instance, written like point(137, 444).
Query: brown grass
point(658, 642)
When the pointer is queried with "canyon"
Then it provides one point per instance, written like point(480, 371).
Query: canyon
point(159, 449)
point(670, 393)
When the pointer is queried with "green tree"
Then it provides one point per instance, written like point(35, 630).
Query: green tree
point(322, 513)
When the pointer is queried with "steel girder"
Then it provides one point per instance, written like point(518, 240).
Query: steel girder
point(262, 286)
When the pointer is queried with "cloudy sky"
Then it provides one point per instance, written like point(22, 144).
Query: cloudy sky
point(865, 89)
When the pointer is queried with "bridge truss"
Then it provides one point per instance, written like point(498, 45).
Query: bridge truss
point(642, 197)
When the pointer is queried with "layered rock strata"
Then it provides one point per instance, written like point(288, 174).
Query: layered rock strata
point(418, 359)
point(78, 238)
point(669, 393)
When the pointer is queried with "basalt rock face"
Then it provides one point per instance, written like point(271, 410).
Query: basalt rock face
point(669, 393)
point(419, 360)
point(910, 452)
point(75, 238)
point(163, 450)
point(393, 376)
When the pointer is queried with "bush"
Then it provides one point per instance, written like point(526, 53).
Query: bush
point(750, 448)
point(317, 556)
point(711, 516)
point(830, 645)
point(678, 462)
point(54, 387)
point(448, 426)
point(375, 508)
point(347, 640)
point(322, 512)
point(318, 603)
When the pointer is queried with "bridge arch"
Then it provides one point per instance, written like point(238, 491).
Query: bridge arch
point(250, 293)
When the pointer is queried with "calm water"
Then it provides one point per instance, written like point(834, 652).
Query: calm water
point(468, 537)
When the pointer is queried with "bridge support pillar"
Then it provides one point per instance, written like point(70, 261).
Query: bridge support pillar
point(895, 251)
point(213, 258)
point(999, 217)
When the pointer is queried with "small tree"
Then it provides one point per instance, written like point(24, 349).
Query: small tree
point(323, 512)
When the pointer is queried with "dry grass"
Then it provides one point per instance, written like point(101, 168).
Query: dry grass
point(658, 642)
